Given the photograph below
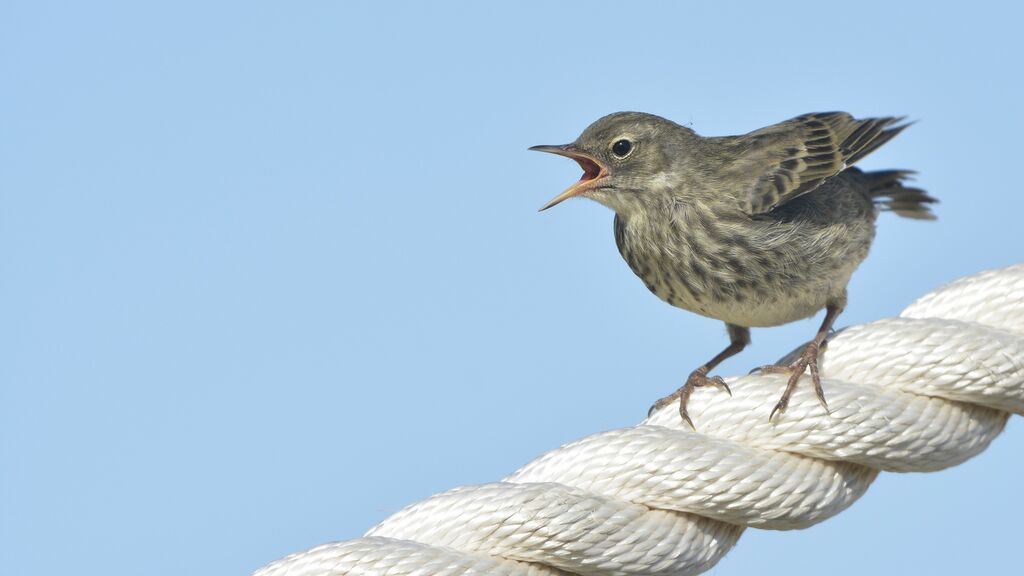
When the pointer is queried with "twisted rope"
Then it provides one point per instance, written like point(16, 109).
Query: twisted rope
point(921, 392)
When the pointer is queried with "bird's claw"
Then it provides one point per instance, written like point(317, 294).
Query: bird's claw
point(662, 402)
point(697, 379)
point(808, 359)
point(780, 406)
point(686, 418)
point(717, 381)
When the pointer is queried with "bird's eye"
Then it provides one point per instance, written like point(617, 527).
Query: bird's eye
point(622, 148)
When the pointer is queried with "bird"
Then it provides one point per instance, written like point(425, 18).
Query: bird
point(756, 230)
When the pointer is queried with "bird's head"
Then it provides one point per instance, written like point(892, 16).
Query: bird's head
point(627, 158)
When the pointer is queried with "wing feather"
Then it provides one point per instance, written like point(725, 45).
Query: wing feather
point(793, 158)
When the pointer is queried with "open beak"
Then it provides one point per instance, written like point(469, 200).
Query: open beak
point(593, 171)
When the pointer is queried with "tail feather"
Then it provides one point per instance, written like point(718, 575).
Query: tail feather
point(887, 190)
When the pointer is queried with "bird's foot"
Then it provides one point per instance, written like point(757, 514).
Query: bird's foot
point(697, 379)
point(808, 359)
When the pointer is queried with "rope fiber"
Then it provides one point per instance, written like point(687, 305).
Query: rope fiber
point(921, 392)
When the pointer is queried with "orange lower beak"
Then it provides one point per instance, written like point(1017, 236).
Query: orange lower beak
point(592, 171)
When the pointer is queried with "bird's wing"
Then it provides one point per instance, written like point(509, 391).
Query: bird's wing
point(790, 159)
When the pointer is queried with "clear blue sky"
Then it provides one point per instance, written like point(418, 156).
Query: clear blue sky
point(270, 271)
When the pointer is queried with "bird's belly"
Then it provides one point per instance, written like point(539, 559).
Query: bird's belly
point(754, 310)
point(764, 298)
point(752, 277)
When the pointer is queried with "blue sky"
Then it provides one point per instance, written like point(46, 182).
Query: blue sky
point(271, 271)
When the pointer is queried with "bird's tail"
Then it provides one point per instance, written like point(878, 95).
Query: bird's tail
point(887, 190)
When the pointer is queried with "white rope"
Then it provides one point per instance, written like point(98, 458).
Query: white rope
point(921, 392)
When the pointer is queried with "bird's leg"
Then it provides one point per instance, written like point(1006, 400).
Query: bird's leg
point(808, 359)
point(739, 337)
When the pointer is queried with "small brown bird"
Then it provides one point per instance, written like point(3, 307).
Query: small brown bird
point(754, 230)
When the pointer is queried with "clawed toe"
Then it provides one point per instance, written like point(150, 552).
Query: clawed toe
point(780, 406)
point(773, 369)
point(686, 416)
point(662, 402)
point(697, 379)
point(808, 359)
point(717, 381)
point(682, 395)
